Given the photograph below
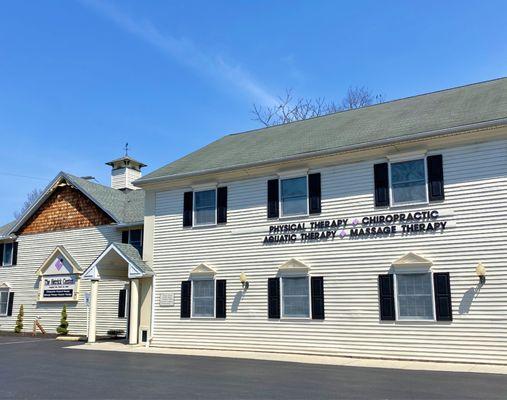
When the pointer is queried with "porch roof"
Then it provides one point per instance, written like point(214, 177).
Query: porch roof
point(133, 256)
point(137, 268)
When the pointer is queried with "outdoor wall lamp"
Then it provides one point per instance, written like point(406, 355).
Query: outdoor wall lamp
point(244, 281)
point(480, 270)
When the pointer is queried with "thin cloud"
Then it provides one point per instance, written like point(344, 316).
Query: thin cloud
point(186, 53)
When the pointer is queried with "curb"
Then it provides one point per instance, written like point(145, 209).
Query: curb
point(304, 359)
point(71, 338)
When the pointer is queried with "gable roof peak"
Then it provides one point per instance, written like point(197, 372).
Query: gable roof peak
point(62, 252)
point(412, 259)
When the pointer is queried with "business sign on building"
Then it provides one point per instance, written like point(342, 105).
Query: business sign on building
point(368, 226)
point(59, 277)
point(59, 287)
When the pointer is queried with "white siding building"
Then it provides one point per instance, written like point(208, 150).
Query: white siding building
point(376, 232)
point(44, 253)
point(354, 234)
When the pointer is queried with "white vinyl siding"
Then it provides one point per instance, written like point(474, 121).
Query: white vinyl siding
point(85, 245)
point(122, 178)
point(475, 206)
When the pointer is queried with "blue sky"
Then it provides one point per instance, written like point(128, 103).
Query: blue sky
point(78, 79)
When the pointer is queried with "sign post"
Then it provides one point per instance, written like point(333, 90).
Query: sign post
point(87, 299)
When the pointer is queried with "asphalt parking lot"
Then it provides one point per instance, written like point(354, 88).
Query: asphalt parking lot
point(45, 369)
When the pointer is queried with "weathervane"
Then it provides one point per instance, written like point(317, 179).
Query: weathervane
point(126, 149)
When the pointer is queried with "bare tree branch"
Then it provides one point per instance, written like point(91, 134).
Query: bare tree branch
point(290, 109)
point(31, 198)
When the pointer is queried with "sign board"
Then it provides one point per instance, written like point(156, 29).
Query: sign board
point(370, 226)
point(166, 299)
point(59, 288)
point(59, 277)
point(87, 299)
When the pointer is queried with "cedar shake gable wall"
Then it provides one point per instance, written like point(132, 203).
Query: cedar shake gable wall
point(66, 208)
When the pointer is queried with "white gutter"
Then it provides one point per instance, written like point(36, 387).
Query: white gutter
point(129, 224)
point(360, 146)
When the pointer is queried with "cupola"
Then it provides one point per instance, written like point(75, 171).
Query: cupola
point(125, 170)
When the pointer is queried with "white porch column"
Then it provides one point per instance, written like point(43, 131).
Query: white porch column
point(92, 327)
point(134, 311)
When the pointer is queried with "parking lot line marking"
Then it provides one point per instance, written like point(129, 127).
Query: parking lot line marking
point(26, 341)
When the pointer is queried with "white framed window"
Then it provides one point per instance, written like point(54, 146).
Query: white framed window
point(408, 180)
point(294, 196)
point(205, 207)
point(7, 254)
point(414, 296)
point(295, 294)
point(203, 298)
point(4, 302)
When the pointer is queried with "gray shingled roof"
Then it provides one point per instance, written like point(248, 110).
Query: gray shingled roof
point(125, 207)
point(131, 253)
point(4, 230)
point(447, 109)
point(126, 158)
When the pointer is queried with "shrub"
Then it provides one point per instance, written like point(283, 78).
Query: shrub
point(115, 333)
point(63, 329)
point(19, 321)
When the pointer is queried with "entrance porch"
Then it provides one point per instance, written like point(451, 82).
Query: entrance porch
point(122, 262)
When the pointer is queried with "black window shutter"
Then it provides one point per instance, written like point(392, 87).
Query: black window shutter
point(186, 291)
point(317, 297)
point(435, 177)
point(125, 236)
point(222, 205)
point(188, 202)
point(314, 193)
point(11, 303)
point(15, 253)
point(381, 176)
point(1, 254)
point(386, 297)
point(273, 211)
point(443, 304)
point(220, 298)
point(121, 303)
point(274, 298)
